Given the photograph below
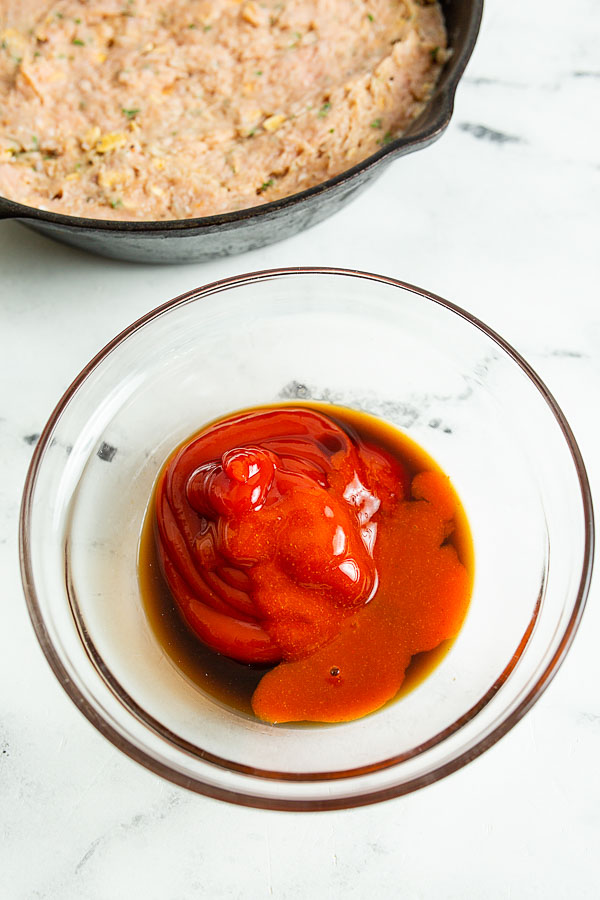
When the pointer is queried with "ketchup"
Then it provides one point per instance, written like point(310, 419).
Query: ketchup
point(287, 540)
point(266, 531)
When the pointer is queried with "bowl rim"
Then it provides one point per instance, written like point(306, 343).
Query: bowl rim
point(12, 209)
point(531, 695)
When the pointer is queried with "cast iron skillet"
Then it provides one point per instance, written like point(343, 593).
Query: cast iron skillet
point(188, 240)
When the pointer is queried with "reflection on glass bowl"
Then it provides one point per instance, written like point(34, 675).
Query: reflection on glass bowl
point(334, 336)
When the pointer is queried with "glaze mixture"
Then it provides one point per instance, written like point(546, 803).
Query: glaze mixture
point(309, 554)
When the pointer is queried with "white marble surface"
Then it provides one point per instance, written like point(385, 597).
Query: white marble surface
point(501, 216)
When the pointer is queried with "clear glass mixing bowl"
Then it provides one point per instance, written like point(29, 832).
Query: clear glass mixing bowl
point(349, 338)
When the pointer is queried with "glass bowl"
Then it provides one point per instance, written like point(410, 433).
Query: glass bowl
point(343, 337)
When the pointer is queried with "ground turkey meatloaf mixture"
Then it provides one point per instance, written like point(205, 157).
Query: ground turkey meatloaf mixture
point(140, 109)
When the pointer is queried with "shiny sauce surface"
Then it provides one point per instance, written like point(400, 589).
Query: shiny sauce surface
point(304, 563)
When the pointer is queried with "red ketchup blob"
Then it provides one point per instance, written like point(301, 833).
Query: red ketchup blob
point(267, 527)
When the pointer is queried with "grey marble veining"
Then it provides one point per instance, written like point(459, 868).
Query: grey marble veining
point(500, 217)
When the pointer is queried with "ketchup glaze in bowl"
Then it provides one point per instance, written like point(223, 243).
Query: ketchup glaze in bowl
point(287, 336)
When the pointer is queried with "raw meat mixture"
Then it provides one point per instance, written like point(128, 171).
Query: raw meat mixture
point(140, 109)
